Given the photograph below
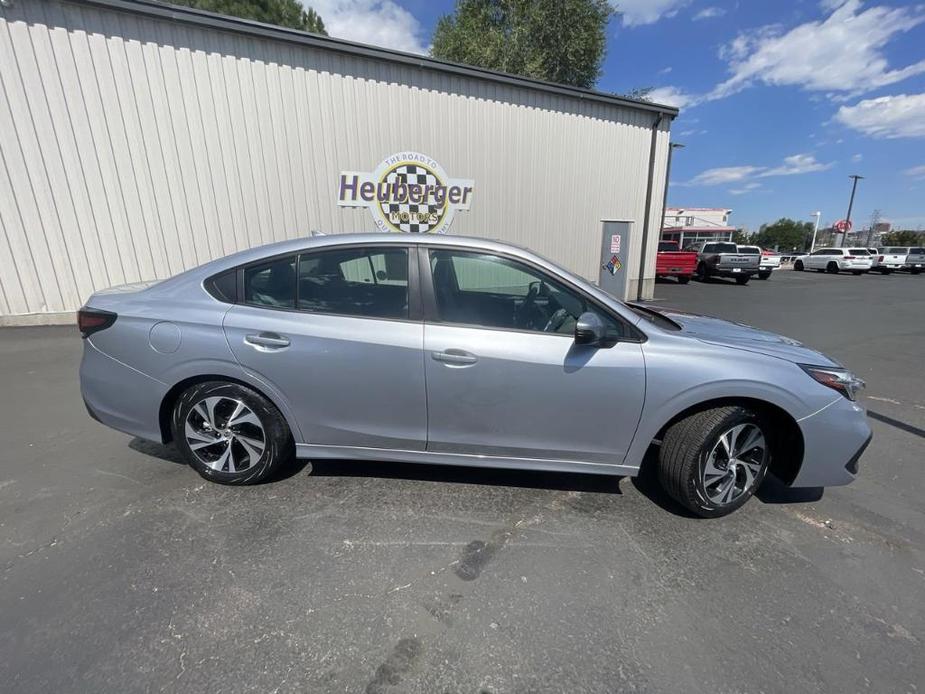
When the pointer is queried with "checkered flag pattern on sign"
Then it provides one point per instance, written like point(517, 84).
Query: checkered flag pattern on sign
point(410, 173)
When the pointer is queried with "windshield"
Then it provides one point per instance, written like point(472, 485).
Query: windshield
point(897, 251)
point(858, 251)
point(667, 245)
point(750, 250)
point(721, 248)
point(916, 251)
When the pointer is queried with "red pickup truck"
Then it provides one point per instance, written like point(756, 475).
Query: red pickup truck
point(671, 262)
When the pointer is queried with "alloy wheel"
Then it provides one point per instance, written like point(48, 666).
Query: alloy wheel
point(734, 464)
point(225, 434)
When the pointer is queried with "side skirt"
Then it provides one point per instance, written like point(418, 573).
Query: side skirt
point(320, 452)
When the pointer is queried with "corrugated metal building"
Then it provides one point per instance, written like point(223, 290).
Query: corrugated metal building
point(139, 139)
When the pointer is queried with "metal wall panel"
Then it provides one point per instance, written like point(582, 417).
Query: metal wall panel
point(134, 147)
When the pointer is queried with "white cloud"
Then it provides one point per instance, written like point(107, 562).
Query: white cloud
point(709, 13)
point(377, 22)
point(725, 174)
point(672, 96)
point(887, 117)
point(745, 188)
point(796, 164)
point(842, 53)
point(665, 70)
point(639, 12)
point(916, 171)
point(791, 166)
point(857, 157)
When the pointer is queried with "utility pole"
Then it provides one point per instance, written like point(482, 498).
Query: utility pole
point(671, 148)
point(854, 187)
point(812, 245)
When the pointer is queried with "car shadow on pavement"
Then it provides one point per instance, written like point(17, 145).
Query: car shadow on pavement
point(453, 474)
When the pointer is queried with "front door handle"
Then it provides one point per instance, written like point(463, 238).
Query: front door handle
point(455, 356)
point(267, 341)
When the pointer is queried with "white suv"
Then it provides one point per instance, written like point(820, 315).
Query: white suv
point(854, 260)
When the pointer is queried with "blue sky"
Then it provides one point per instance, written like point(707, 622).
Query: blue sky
point(780, 101)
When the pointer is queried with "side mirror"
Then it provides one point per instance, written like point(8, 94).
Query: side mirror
point(590, 329)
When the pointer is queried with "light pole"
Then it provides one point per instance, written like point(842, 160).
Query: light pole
point(854, 187)
point(672, 146)
point(812, 245)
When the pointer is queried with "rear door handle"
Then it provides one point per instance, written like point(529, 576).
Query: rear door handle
point(454, 356)
point(267, 341)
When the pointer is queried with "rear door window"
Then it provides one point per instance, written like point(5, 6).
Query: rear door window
point(271, 284)
point(365, 282)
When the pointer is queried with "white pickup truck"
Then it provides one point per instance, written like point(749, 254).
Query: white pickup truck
point(888, 258)
point(768, 262)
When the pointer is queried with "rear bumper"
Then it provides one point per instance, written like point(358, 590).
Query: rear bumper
point(733, 272)
point(834, 439)
point(119, 396)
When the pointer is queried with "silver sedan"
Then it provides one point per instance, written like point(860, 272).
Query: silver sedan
point(458, 351)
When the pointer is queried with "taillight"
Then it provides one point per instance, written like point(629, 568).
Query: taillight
point(880, 259)
point(92, 320)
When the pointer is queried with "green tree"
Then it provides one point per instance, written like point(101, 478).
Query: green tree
point(739, 236)
point(903, 238)
point(560, 41)
point(286, 13)
point(785, 234)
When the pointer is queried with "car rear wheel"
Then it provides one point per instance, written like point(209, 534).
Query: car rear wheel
point(832, 267)
point(711, 462)
point(701, 273)
point(684, 279)
point(798, 266)
point(763, 275)
point(857, 272)
point(885, 271)
point(743, 280)
point(229, 433)
point(915, 270)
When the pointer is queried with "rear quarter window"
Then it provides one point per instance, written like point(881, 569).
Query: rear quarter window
point(858, 251)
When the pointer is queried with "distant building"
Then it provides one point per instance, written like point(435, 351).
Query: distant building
point(688, 225)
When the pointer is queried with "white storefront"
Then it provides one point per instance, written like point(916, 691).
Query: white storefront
point(138, 140)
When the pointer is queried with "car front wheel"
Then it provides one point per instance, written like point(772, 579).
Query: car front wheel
point(743, 279)
point(832, 267)
point(763, 275)
point(229, 433)
point(711, 462)
point(798, 266)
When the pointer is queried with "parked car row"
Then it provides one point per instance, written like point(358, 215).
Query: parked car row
point(859, 261)
point(715, 259)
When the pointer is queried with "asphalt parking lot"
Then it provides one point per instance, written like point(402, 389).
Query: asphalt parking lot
point(123, 571)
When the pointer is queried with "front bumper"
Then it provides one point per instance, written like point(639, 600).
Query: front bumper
point(833, 441)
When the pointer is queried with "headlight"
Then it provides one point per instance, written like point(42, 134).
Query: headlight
point(841, 380)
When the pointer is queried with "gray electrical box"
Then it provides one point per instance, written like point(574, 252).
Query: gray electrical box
point(615, 253)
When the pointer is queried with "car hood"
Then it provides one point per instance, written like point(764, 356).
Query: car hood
point(740, 336)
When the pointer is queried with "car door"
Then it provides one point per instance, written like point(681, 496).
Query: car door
point(504, 375)
point(819, 259)
point(338, 332)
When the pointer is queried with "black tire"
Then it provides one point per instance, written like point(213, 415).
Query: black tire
point(743, 279)
point(701, 273)
point(764, 275)
point(857, 272)
point(798, 266)
point(832, 267)
point(272, 431)
point(885, 271)
point(684, 454)
point(684, 279)
point(915, 270)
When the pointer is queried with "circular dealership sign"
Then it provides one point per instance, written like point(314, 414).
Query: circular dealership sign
point(843, 225)
point(408, 192)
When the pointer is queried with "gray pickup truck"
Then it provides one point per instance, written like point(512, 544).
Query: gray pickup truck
point(915, 260)
point(722, 259)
